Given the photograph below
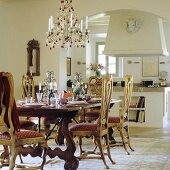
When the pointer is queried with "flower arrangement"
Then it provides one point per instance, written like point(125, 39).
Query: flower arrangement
point(96, 67)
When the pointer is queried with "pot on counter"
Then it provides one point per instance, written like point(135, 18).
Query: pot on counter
point(163, 83)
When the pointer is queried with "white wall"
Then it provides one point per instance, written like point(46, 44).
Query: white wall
point(21, 21)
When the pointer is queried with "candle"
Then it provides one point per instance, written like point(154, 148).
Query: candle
point(81, 25)
point(85, 86)
point(86, 22)
point(71, 20)
point(31, 72)
point(52, 22)
point(72, 86)
point(51, 86)
point(39, 86)
point(49, 25)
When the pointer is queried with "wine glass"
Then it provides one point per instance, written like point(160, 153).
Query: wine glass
point(39, 97)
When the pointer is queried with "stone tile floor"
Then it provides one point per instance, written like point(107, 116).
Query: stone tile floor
point(152, 152)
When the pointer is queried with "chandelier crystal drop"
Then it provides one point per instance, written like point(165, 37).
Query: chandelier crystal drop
point(67, 31)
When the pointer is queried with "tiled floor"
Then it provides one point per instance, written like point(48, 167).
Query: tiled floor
point(152, 152)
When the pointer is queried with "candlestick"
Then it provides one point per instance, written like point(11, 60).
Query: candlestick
point(51, 86)
point(55, 86)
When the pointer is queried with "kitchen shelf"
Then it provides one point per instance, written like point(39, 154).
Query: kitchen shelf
point(136, 109)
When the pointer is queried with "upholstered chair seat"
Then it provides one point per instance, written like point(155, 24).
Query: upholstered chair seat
point(22, 135)
point(83, 127)
point(116, 120)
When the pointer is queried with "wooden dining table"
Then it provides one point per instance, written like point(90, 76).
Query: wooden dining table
point(63, 114)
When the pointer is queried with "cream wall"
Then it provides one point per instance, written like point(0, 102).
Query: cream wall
point(21, 21)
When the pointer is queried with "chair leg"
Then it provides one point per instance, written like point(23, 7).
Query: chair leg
point(128, 137)
point(108, 148)
point(123, 140)
point(20, 157)
point(5, 156)
point(13, 158)
point(80, 145)
point(44, 155)
point(99, 141)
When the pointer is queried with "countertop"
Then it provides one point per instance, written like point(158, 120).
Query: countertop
point(139, 88)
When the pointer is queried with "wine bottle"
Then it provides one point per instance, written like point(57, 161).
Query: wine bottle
point(51, 94)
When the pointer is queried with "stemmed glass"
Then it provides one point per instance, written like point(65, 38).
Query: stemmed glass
point(39, 97)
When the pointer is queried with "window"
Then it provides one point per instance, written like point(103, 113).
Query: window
point(110, 63)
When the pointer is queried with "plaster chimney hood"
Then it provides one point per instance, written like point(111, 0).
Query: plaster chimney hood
point(134, 33)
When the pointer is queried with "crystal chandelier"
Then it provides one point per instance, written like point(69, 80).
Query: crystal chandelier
point(66, 31)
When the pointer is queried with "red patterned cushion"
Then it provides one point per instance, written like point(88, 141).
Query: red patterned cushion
point(114, 120)
point(5, 136)
point(28, 134)
point(84, 127)
point(22, 134)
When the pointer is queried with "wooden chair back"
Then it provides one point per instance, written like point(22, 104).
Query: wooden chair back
point(95, 86)
point(21, 142)
point(127, 97)
point(28, 88)
point(9, 120)
point(107, 87)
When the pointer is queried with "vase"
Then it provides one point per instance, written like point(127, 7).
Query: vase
point(98, 73)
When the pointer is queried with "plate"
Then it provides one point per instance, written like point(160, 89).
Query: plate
point(96, 99)
point(34, 104)
point(20, 102)
point(77, 102)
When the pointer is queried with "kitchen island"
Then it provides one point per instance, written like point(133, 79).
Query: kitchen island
point(149, 106)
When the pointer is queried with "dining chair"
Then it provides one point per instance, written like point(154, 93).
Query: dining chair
point(19, 141)
point(94, 90)
point(121, 123)
point(28, 90)
point(98, 130)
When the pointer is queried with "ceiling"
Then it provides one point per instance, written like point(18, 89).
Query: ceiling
point(99, 20)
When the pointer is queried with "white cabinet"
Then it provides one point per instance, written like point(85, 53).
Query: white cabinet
point(148, 109)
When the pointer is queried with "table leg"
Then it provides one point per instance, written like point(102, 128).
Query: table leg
point(39, 124)
point(71, 162)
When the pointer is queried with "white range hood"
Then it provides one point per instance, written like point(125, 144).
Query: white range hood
point(134, 33)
